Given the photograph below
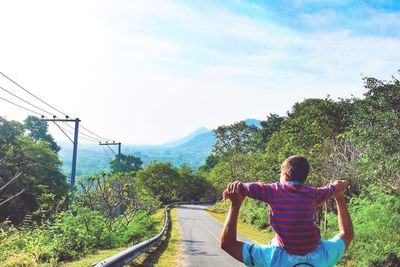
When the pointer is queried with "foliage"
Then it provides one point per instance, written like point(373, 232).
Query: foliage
point(269, 126)
point(116, 197)
point(125, 163)
point(45, 186)
point(37, 130)
point(376, 220)
point(353, 139)
point(168, 184)
point(67, 236)
point(376, 130)
point(238, 138)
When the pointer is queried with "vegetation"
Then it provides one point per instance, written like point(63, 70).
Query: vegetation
point(110, 210)
point(353, 139)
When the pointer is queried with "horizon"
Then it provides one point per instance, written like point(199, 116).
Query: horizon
point(150, 72)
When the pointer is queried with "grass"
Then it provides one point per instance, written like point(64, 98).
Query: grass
point(168, 252)
point(89, 260)
point(100, 255)
point(172, 256)
point(256, 235)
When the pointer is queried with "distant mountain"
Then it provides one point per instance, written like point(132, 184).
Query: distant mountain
point(187, 138)
point(191, 150)
point(253, 122)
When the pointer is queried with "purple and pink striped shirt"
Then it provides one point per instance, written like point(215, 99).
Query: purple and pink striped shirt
point(291, 213)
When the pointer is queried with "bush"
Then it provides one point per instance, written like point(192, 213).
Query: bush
point(68, 236)
point(376, 220)
point(255, 213)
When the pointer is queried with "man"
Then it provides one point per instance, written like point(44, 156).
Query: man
point(271, 255)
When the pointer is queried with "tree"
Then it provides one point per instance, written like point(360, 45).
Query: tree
point(210, 163)
point(38, 131)
point(236, 138)
point(43, 184)
point(116, 197)
point(309, 128)
point(269, 126)
point(161, 180)
point(376, 130)
point(126, 163)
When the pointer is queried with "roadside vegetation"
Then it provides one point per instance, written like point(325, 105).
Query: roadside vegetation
point(110, 210)
point(353, 139)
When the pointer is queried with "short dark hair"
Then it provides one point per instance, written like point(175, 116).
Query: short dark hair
point(296, 168)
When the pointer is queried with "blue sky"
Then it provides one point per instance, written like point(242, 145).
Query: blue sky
point(150, 71)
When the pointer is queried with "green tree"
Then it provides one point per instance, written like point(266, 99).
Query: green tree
point(126, 163)
point(269, 126)
point(45, 186)
point(116, 197)
point(161, 180)
point(308, 129)
point(376, 131)
point(37, 129)
point(236, 138)
point(210, 163)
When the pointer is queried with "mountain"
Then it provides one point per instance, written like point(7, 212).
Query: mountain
point(253, 122)
point(191, 150)
point(187, 138)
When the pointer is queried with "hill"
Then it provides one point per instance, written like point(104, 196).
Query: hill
point(191, 150)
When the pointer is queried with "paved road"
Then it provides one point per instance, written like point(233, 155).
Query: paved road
point(200, 238)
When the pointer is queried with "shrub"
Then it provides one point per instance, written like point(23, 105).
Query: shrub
point(376, 220)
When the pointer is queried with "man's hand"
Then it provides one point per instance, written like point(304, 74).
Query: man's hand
point(234, 193)
point(341, 187)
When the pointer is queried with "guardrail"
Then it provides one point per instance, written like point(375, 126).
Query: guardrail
point(125, 257)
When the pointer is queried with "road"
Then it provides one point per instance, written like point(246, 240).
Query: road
point(200, 238)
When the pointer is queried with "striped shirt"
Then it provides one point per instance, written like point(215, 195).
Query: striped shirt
point(291, 212)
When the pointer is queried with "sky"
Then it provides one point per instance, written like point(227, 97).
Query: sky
point(148, 72)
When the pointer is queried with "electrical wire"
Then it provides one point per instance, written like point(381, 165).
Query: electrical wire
point(81, 133)
point(112, 150)
point(32, 94)
point(95, 134)
point(45, 111)
point(62, 130)
point(41, 115)
point(107, 153)
point(82, 137)
point(27, 109)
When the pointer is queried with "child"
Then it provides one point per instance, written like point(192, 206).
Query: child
point(292, 205)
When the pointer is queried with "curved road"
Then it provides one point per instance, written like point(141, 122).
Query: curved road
point(200, 238)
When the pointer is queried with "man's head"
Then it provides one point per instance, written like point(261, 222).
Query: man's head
point(295, 168)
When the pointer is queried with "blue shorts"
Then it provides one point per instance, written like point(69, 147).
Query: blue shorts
point(326, 254)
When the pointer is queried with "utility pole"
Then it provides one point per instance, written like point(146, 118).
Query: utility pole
point(119, 151)
point(74, 153)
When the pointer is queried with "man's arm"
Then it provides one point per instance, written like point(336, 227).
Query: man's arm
point(228, 239)
point(344, 219)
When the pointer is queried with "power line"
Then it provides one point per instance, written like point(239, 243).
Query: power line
point(92, 134)
point(112, 150)
point(82, 137)
point(2, 88)
point(95, 134)
point(81, 133)
point(33, 94)
point(62, 130)
point(21, 106)
point(107, 153)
